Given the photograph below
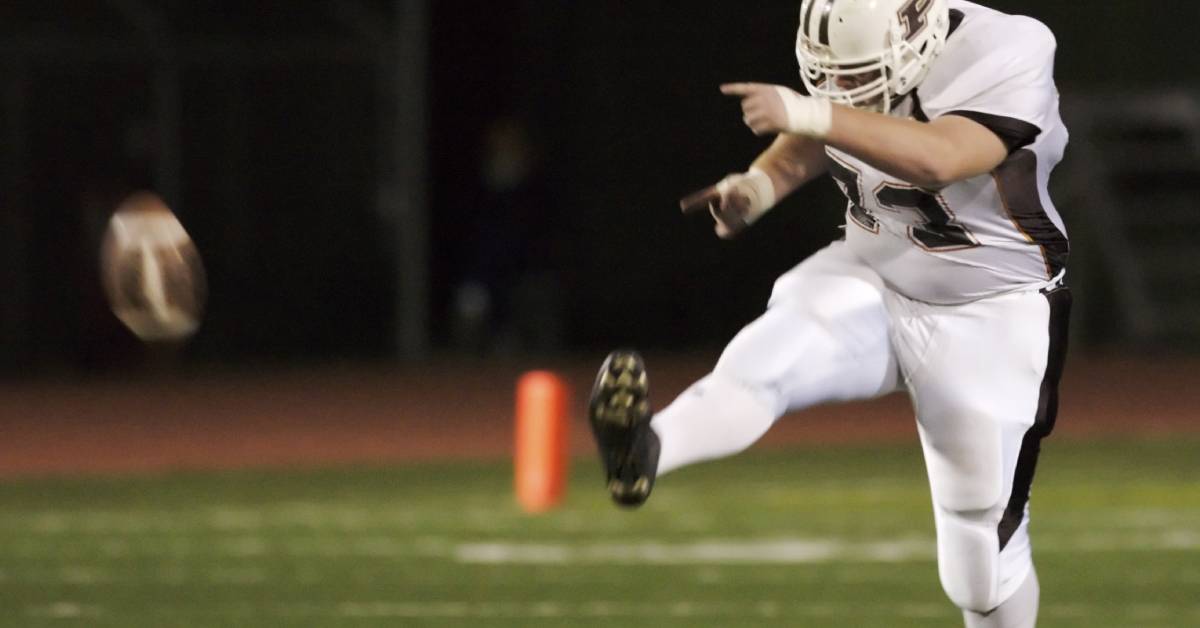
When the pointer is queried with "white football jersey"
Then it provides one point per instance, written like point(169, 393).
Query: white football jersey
point(991, 234)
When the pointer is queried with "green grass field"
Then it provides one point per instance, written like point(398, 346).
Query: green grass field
point(831, 537)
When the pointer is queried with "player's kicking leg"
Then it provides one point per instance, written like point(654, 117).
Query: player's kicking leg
point(823, 338)
point(619, 412)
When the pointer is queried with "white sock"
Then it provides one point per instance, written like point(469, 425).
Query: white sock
point(714, 418)
point(1019, 611)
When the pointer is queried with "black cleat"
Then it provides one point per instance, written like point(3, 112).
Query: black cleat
point(619, 412)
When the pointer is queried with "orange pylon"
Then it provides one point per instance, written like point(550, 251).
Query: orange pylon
point(540, 460)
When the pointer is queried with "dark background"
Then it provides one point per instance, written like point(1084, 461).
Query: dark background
point(280, 159)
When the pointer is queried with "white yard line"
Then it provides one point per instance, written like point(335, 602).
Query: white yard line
point(64, 610)
point(705, 609)
point(498, 550)
point(784, 551)
point(580, 610)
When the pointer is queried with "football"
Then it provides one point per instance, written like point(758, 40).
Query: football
point(152, 273)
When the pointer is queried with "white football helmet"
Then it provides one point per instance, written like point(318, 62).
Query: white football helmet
point(869, 53)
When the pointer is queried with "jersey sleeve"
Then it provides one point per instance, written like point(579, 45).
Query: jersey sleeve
point(1000, 78)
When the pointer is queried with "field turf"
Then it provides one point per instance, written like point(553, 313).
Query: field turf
point(837, 537)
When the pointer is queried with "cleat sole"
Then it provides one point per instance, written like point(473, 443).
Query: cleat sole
point(619, 411)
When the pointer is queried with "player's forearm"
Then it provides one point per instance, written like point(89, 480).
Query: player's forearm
point(791, 161)
point(912, 151)
point(931, 155)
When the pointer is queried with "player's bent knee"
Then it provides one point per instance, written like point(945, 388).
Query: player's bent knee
point(791, 347)
point(969, 558)
point(763, 356)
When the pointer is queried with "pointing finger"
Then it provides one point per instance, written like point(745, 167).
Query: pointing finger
point(697, 201)
point(739, 89)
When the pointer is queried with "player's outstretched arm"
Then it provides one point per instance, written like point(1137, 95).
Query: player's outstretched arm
point(791, 161)
point(931, 155)
point(738, 200)
point(928, 154)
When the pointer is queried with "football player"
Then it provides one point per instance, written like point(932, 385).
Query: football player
point(939, 120)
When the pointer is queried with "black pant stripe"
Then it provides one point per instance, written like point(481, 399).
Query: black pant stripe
point(1047, 413)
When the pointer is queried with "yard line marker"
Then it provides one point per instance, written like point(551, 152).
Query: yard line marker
point(540, 456)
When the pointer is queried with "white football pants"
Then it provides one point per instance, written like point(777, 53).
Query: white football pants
point(983, 378)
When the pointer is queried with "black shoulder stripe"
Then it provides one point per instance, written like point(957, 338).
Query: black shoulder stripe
point(917, 112)
point(956, 18)
point(1016, 134)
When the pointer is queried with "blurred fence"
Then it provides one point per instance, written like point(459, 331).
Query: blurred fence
point(1132, 185)
point(347, 174)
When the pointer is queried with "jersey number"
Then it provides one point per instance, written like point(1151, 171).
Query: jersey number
point(938, 232)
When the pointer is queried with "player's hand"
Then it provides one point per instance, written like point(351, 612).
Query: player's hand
point(728, 210)
point(773, 109)
point(735, 202)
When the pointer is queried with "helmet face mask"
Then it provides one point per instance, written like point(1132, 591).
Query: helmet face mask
point(868, 53)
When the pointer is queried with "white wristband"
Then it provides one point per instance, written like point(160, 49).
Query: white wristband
point(806, 116)
point(757, 186)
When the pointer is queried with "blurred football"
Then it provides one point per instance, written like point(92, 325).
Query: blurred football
point(152, 273)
